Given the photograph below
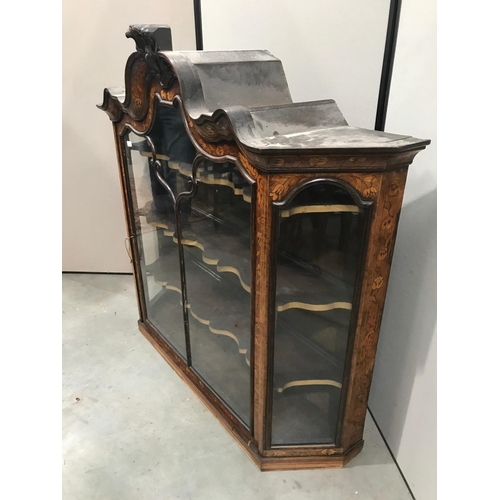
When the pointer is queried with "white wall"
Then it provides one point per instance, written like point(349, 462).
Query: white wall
point(403, 395)
point(94, 54)
point(330, 49)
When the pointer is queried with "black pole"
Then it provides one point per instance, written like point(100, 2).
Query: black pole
point(197, 24)
point(387, 65)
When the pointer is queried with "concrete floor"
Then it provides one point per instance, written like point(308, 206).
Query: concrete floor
point(132, 430)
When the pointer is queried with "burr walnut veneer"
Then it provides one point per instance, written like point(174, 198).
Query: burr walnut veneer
point(261, 233)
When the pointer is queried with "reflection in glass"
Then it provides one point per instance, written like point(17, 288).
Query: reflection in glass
point(320, 239)
point(215, 229)
point(159, 257)
point(216, 241)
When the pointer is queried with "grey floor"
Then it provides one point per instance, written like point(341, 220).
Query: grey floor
point(133, 430)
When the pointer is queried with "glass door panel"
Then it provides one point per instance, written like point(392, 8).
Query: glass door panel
point(216, 241)
point(215, 220)
point(154, 220)
point(319, 243)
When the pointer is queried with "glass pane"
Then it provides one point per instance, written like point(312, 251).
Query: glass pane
point(216, 240)
point(153, 210)
point(319, 243)
point(215, 226)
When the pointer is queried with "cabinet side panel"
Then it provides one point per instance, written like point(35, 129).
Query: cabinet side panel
point(373, 290)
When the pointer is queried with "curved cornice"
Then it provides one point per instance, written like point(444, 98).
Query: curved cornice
point(242, 97)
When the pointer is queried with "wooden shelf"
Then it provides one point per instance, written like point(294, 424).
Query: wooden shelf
point(215, 174)
point(221, 306)
point(326, 331)
point(300, 363)
point(229, 252)
point(218, 274)
point(213, 356)
point(225, 310)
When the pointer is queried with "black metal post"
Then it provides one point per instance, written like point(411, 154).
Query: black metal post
point(197, 24)
point(387, 65)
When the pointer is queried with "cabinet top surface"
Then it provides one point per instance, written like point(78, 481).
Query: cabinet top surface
point(249, 88)
point(243, 95)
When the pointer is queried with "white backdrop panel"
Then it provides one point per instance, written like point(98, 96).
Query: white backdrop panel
point(330, 49)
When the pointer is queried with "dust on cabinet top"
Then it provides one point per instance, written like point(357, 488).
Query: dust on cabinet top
point(243, 95)
point(249, 89)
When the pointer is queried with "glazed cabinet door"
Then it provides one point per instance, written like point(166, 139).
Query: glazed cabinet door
point(192, 222)
point(319, 244)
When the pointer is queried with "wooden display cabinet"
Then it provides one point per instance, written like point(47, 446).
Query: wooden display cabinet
point(261, 234)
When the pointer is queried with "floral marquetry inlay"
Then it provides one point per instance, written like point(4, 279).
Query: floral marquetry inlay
point(388, 195)
point(318, 161)
point(366, 185)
